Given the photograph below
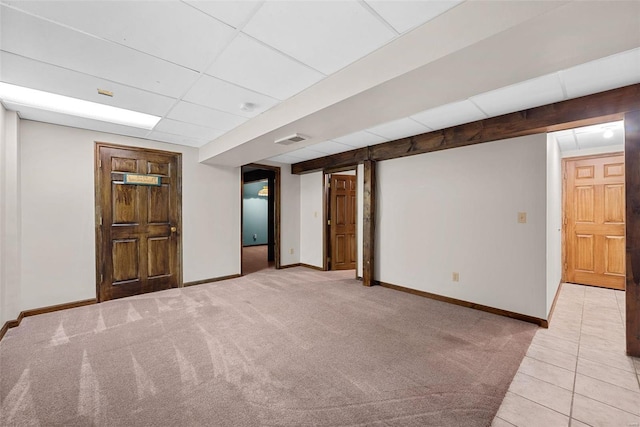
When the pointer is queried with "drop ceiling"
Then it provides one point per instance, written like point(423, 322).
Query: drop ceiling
point(346, 73)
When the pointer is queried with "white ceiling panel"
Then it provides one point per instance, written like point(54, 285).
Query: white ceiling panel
point(286, 159)
point(597, 139)
point(188, 130)
point(405, 15)
point(215, 93)
point(47, 42)
point(397, 129)
point(147, 26)
point(449, 115)
point(234, 13)
point(38, 75)
point(324, 35)
point(177, 139)
point(306, 154)
point(360, 139)
point(29, 113)
point(255, 66)
point(566, 141)
point(330, 147)
point(528, 94)
point(603, 74)
point(203, 116)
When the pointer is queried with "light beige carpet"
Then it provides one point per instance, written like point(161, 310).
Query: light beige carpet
point(293, 347)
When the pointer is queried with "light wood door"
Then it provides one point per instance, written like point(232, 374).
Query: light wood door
point(138, 224)
point(343, 222)
point(595, 221)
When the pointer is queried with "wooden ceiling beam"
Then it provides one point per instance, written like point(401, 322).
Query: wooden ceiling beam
point(591, 109)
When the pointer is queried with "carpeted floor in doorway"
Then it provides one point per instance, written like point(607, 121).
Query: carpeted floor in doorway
point(293, 347)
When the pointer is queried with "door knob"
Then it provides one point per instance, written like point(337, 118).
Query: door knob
point(174, 229)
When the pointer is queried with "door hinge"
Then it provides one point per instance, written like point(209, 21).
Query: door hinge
point(564, 221)
point(328, 185)
point(328, 222)
point(99, 163)
point(101, 277)
point(100, 220)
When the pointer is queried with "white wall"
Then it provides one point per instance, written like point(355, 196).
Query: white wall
point(289, 214)
point(456, 211)
point(554, 220)
point(58, 249)
point(10, 238)
point(311, 219)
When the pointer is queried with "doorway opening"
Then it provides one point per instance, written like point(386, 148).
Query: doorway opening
point(341, 220)
point(260, 218)
point(593, 205)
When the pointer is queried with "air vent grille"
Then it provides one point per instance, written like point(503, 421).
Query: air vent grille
point(291, 139)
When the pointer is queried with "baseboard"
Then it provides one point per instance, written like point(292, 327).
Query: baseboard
point(302, 264)
point(42, 310)
point(213, 279)
point(555, 299)
point(290, 265)
point(526, 318)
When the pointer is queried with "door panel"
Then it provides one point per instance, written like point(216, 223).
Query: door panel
point(138, 225)
point(342, 222)
point(595, 215)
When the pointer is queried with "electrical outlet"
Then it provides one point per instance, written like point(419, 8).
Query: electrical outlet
point(291, 251)
point(522, 217)
point(456, 276)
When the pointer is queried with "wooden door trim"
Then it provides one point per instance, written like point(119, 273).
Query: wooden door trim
point(565, 160)
point(98, 145)
point(277, 200)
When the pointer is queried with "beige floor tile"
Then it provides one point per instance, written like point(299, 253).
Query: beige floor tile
point(499, 422)
point(576, 423)
point(608, 374)
point(554, 343)
point(603, 342)
point(563, 334)
point(616, 359)
point(553, 357)
point(598, 414)
point(547, 372)
point(616, 333)
point(522, 412)
point(542, 392)
point(610, 394)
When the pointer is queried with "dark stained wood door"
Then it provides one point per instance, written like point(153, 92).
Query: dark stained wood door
point(138, 225)
point(595, 221)
point(342, 222)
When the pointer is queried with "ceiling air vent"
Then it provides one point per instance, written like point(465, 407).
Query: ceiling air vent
point(296, 137)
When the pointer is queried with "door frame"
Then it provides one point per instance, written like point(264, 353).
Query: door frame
point(276, 215)
point(98, 208)
point(326, 198)
point(564, 204)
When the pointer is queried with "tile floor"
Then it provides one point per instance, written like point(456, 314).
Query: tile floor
point(576, 373)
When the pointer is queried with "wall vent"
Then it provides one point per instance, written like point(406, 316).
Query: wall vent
point(296, 137)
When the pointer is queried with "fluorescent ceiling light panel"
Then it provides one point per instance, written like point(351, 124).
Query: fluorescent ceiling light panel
point(75, 107)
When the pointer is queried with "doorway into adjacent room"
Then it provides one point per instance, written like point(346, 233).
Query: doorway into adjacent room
point(341, 224)
point(260, 216)
point(593, 173)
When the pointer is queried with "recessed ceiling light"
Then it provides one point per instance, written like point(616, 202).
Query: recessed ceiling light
point(608, 134)
point(75, 107)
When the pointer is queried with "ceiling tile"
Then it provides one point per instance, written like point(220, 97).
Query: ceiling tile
point(448, 115)
point(28, 113)
point(306, 154)
point(360, 139)
point(330, 147)
point(234, 13)
point(596, 139)
point(50, 78)
point(285, 158)
point(188, 130)
point(215, 93)
point(255, 66)
point(203, 116)
point(405, 15)
point(603, 74)
point(324, 35)
point(521, 96)
point(177, 139)
point(47, 42)
point(147, 26)
point(397, 129)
